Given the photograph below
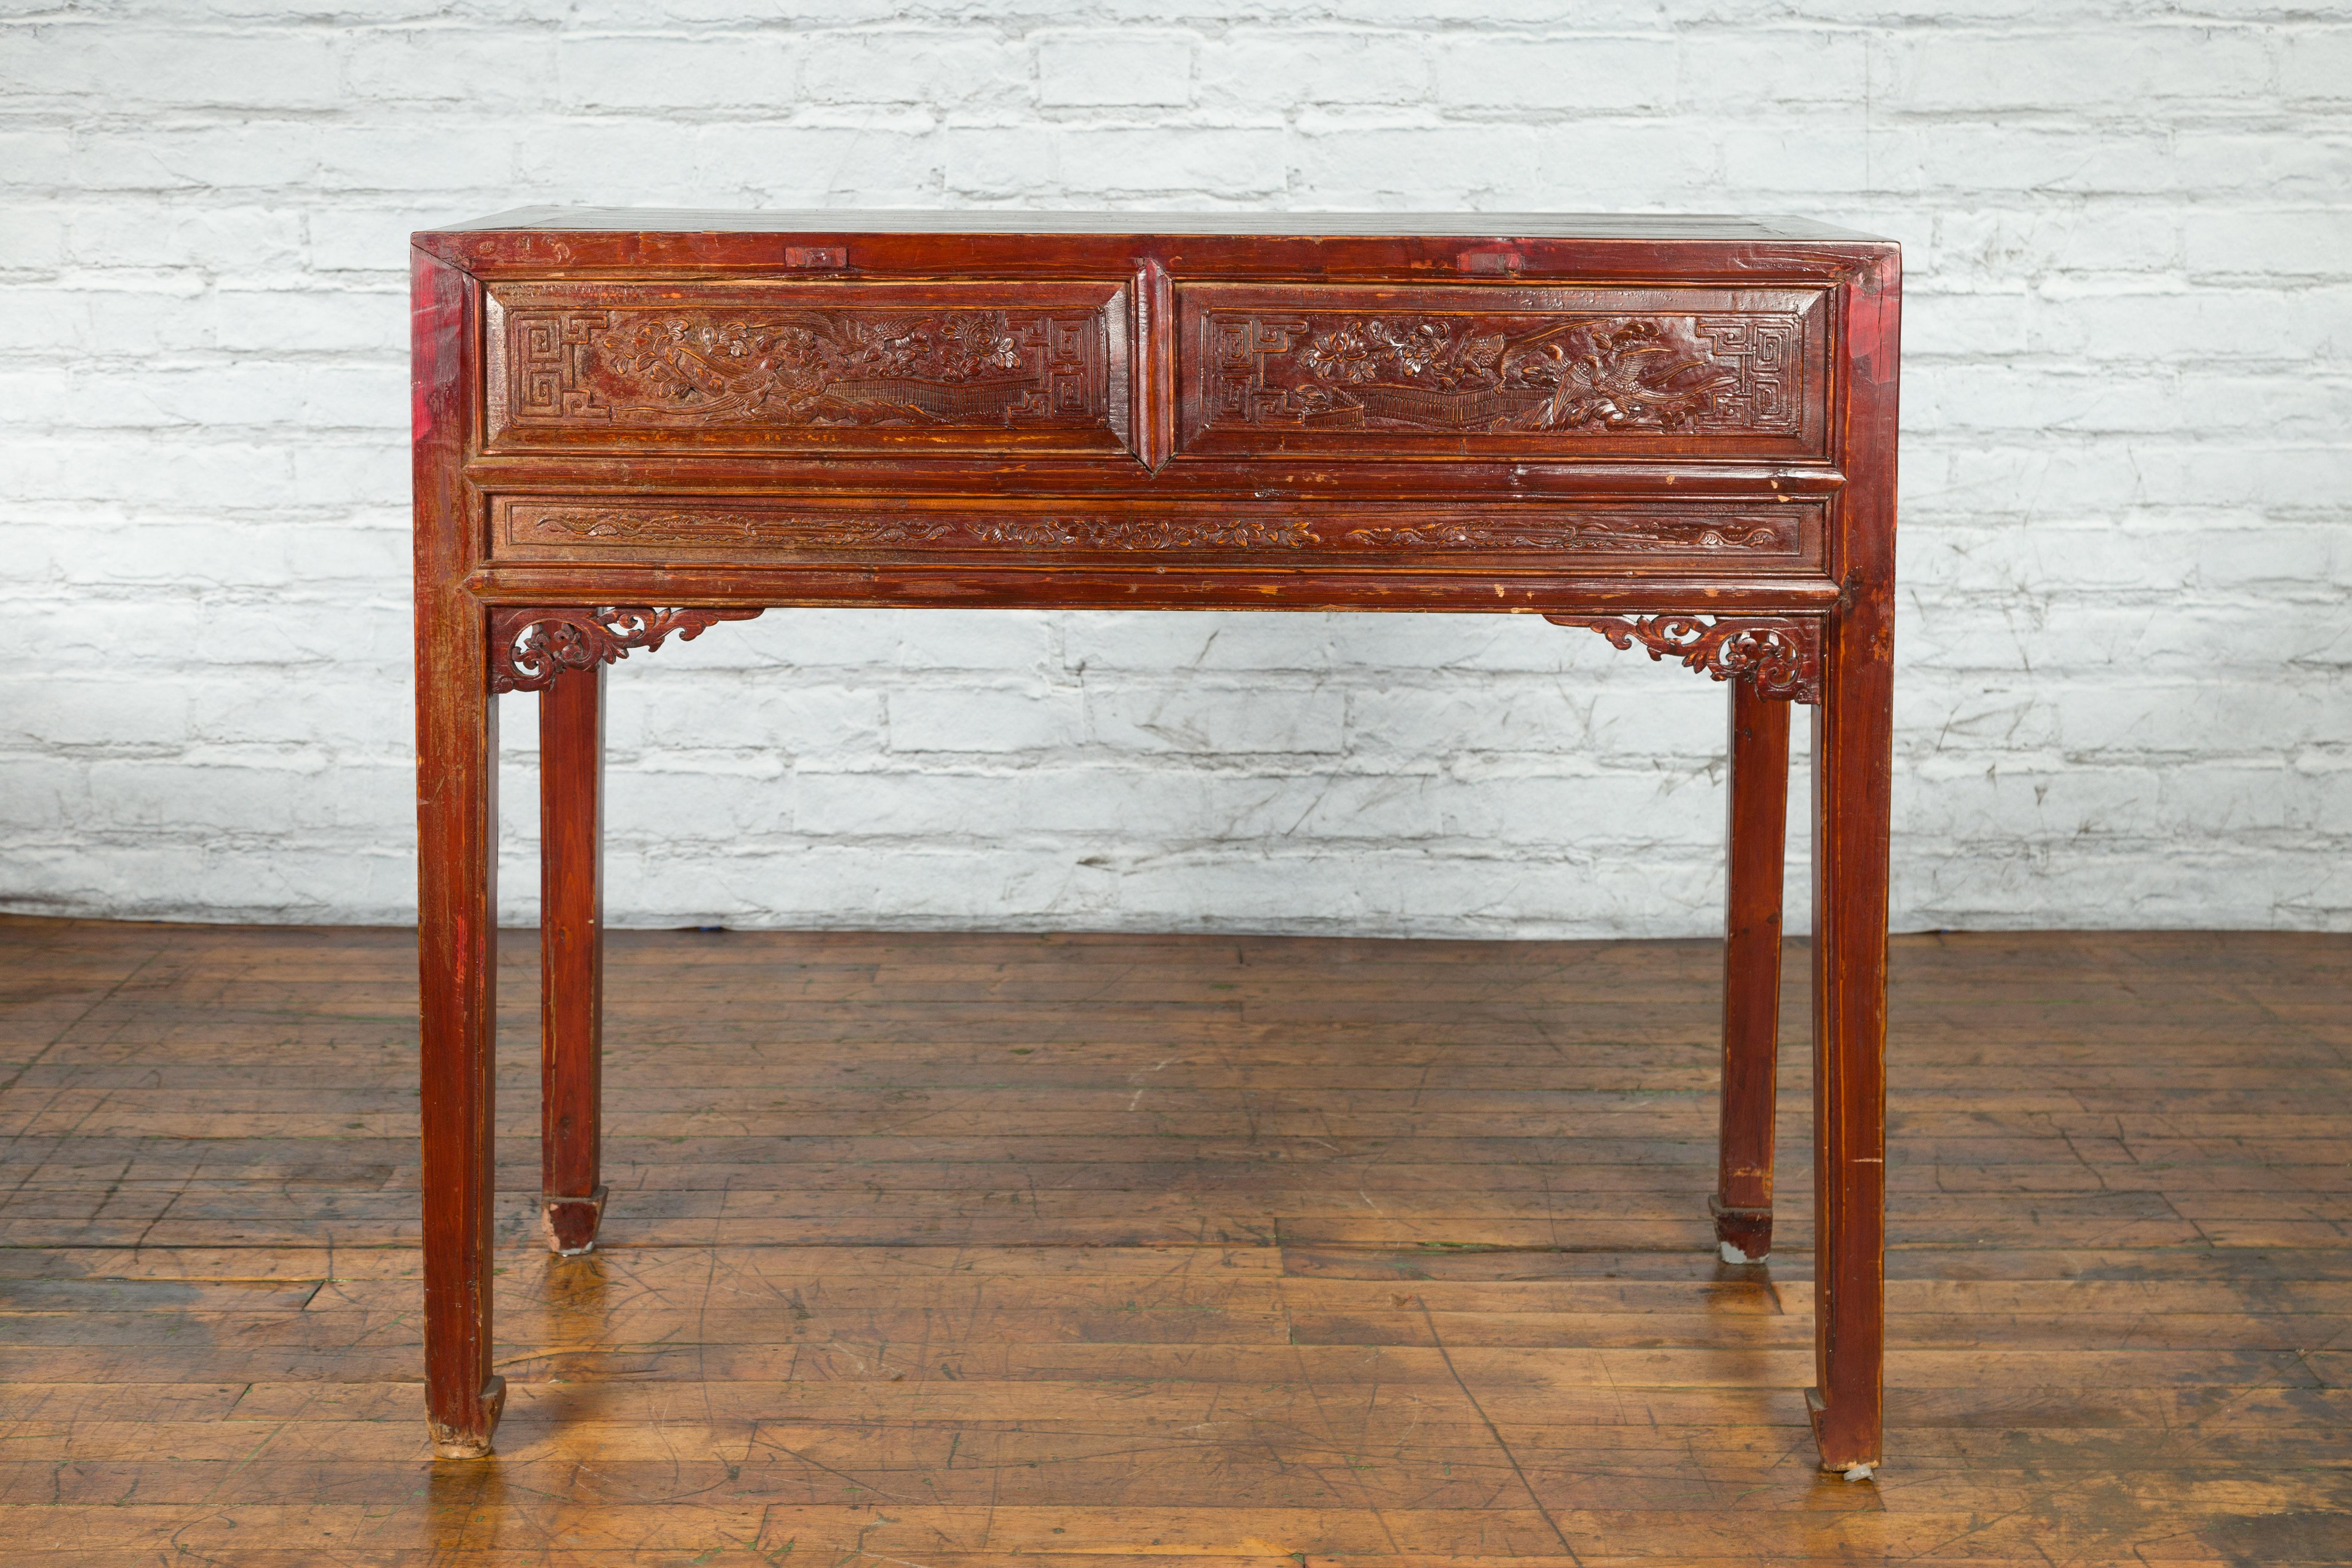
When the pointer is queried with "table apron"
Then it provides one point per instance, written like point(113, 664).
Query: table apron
point(1489, 588)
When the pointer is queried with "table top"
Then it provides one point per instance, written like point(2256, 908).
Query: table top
point(1639, 227)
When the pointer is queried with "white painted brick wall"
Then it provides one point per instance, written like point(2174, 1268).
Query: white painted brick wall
point(2125, 630)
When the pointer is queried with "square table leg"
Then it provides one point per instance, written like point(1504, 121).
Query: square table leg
point(1853, 772)
point(457, 932)
point(1751, 971)
point(571, 955)
point(1853, 762)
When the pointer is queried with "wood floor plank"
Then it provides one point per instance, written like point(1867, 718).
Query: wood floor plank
point(963, 1250)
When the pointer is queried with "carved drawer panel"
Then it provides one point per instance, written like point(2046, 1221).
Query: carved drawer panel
point(1494, 370)
point(1748, 535)
point(808, 366)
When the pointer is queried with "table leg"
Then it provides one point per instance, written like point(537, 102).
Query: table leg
point(571, 955)
point(1751, 972)
point(1853, 762)
point(457, 932)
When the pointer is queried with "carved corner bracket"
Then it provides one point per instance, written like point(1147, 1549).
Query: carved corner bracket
point(531, 646)
point(1782, 654)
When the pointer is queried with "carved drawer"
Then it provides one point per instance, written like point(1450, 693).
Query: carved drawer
point(1700, 533)
point(1501, 371)
point(808, 366)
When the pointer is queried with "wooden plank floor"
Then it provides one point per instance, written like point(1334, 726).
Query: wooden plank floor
point(949, 1250)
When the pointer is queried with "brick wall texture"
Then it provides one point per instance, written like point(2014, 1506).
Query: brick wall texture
point(2124, 631)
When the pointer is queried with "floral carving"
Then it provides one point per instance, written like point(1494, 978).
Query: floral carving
point(1460, 373)
point(634, 525)
point(1782, 654)
point(1102, 533)
point(530, 647)
point(535, 522)
point(1606, 535)
point(1771, 532)
point(807, 368)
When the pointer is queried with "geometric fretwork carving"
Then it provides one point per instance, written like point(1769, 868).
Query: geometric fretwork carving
point(787, 368)
point(531, 646)
point(1782, 654)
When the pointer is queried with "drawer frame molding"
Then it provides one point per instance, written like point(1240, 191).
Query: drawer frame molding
point(1779, 535)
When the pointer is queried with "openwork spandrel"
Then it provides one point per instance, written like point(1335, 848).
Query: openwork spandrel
point(531, 646)
point(1782, 654)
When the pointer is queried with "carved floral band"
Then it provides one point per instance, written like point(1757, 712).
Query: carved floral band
point(530, 647)
point(1782, 654)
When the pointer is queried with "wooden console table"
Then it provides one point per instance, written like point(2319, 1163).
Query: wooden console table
point(1677, 432)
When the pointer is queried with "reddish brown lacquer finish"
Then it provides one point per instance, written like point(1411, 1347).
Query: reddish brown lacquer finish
point(1679, 433)
point(815, 367)
point(1484, 369)
point(1759, 748)
point(572, 954)
point(1853, 743)
point(456, 876)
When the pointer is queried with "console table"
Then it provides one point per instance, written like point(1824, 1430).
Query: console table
point(1677, 432)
